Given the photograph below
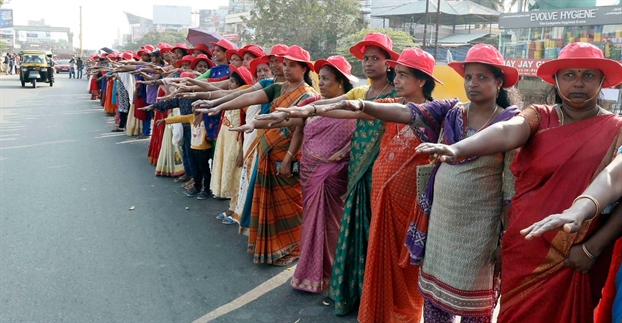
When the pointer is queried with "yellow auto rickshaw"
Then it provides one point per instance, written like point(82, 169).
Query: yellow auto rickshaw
point(36, 66)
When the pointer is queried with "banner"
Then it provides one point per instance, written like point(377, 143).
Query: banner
point(525, 67)
point(6, 18)
point(606, 15)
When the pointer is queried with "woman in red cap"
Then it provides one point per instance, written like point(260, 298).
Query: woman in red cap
point(279, 246)
point(249, 53)
point(227, 162)
point(556, 277)
point(349, 267)
point(200, 49)
point(221, 71)
point(457, 275)
point(323, 174)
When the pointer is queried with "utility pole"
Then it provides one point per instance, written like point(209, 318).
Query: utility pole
point(80, 30)
point(425, 27)
point(438, 16)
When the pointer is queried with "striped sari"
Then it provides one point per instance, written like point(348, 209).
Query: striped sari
point(277, 201)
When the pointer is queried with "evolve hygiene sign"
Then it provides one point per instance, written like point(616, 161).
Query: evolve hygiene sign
point(606, 15)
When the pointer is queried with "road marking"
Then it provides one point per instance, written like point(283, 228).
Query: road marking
point(39, 144)
point(112, 134)
point(7, 139)
point(250, 296)
point(132, 140)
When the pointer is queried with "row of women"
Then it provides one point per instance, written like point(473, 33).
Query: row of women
point(407, 206)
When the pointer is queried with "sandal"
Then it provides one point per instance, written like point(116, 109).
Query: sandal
point(229, 220)
point(221, 216)
point(189, 185)
point(117, 130)
point(182, 178)
point(285, 261)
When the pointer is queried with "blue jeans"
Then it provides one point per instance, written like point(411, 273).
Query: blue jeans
point(147, 123)
point(185, 156)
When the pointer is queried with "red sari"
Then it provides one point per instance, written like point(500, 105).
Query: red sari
point(552, 169)
point(109, 107)
point(155, 145)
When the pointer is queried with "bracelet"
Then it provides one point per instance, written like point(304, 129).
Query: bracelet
point(210, 95)
point(314, 110)
point(362, 105)
point(587, 253)
point(290, 153)
point(591, 198)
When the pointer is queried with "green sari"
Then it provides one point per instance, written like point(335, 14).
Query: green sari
point(346, 283)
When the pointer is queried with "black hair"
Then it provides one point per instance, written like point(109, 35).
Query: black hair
point(238, 79)
point(340, 78)
point(307, 76)
point(428, 86)
point(391, 72)
point(506, 97)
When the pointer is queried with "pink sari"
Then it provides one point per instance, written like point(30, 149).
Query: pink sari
point(324, 178)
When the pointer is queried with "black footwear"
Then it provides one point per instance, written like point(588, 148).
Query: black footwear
point(192, 192)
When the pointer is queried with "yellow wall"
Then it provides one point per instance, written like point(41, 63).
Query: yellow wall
point(453, 84)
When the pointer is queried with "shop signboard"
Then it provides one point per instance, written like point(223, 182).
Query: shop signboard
point(525, 67)
point(231, 37)
point(605, 15)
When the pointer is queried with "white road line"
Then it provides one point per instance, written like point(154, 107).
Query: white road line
point(108, 135)
point(39, 144)
point(250, 296)
point(132, 141)
point(7, 139)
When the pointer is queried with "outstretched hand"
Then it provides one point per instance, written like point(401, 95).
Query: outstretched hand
point(159, 122)
point(247, 128)
point(349, 105)
point(209, 112)
point(570, 221)
point(208, 104)
point(147, 108)
point(274, 117)
point(297, 112)
point(445, 153)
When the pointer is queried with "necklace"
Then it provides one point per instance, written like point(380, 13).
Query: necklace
point(563, 119)
point(379, 93)
point(286, 90)
point(487, 121)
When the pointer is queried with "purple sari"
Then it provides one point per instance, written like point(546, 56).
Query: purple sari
point(324, 179)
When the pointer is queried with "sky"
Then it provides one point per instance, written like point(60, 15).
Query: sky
point(100, 19)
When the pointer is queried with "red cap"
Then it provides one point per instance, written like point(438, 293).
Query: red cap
point(582, 55)
point(374, 39)
point(230, 53)
point(202, 57)
point(417, 59)
point(278, 50)
point(243, 72)
point(253, 49)
point(224, 44)
point(340, 63)
point(127, 56)
point(185, 59)
point(489, 55)
point(296, 53)
point(256, 62)
point(201, 47)
point(187, 74)
point(172, 48)
point(111, 55)
point(162, 46)
point(145, 50)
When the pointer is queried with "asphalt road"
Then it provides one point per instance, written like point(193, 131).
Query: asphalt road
point(71, 250)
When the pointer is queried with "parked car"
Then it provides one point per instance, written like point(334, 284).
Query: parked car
point(62, 65)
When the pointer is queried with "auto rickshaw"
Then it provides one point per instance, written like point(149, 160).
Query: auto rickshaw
point(36, 66)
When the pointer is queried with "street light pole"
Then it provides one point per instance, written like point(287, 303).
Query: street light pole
point(438, 16)
point(80, 31)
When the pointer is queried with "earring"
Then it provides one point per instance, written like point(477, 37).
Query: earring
point(420, 85)
point(498, 91)
point(339, 86)
point(389, 69)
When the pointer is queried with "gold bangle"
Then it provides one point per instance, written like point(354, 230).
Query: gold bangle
point(591, 198)
point(210, 96)
point(290, 153)
point(362, 105)
point(587, 253)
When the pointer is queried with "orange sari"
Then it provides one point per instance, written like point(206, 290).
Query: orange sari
point(276, 214)
point(390, 292)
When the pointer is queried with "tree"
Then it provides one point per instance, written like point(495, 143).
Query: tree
point(155, 37)
point(401, 40)
point(314, 25)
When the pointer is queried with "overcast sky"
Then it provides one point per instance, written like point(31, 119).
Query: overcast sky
point(100, 19)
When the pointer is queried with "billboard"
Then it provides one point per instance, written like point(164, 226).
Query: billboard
point(6, 18)
point(606, 15)
point(172, 15)
point(212, 20)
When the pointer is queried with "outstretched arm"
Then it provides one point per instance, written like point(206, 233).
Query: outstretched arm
point(257, 97)
point(606, 188)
